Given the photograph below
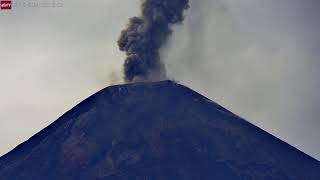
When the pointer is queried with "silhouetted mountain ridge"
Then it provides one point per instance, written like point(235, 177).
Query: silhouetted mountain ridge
point(156, 130)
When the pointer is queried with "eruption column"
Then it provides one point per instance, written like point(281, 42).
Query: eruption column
point(145, 35)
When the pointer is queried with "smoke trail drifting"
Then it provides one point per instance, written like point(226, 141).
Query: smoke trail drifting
point(146, 34)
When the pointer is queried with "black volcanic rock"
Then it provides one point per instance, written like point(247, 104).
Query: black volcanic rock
point(154, 131)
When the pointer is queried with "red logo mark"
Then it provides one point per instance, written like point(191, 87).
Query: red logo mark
point(6, 5)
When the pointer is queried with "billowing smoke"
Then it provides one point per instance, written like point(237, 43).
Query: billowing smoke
point(145, 35)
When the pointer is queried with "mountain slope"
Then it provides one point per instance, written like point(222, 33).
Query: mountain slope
point(154, 131)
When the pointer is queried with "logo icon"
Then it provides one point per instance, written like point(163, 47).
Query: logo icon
point(6, 5)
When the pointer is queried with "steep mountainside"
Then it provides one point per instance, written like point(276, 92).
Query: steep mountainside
point(154, 131)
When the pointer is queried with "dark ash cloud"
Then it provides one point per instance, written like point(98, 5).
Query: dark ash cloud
point(145, 35)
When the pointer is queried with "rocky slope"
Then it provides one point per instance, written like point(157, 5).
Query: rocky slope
point(154, 131)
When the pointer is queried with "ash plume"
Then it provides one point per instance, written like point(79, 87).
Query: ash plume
point(145, 35)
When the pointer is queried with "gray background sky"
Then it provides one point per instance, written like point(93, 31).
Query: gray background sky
point(258, 58)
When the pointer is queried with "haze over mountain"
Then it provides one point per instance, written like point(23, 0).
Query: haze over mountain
point(155, 130)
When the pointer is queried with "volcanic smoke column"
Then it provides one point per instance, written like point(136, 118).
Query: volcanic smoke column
point(145, 35)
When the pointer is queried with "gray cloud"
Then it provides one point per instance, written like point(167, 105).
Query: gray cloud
point(146, 34)
point(259, 59)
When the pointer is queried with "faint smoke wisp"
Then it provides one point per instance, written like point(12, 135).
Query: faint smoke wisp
point(145, 35)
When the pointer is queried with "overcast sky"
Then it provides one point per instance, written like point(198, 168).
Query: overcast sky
point(258, 58)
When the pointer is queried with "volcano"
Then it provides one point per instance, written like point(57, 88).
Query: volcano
point(154, 131)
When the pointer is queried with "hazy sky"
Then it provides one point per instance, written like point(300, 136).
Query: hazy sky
point(258, 58)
